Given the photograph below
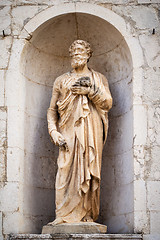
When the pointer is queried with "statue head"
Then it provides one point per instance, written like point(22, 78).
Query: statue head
point(80, 53)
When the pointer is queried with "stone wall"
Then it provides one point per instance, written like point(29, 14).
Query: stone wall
point(126, 48)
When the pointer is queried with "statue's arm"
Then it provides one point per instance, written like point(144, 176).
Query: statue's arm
point(101, 96)
point(52, 118)
point(52, 113)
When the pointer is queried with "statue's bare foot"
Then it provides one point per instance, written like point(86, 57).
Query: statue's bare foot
point(87, 219)
point(56, 221)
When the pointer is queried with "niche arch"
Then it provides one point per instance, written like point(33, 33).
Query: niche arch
point(44, 57)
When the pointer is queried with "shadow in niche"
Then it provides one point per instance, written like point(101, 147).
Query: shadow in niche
point(40, 168)
point(45, 58)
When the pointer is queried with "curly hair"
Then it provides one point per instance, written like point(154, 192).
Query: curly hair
point(84, 44)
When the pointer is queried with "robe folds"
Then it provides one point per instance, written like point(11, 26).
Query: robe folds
point(83, 122)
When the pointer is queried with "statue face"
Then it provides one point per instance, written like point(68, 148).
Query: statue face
point(79, 56)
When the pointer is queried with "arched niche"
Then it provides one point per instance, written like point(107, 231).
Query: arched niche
point(44, 58)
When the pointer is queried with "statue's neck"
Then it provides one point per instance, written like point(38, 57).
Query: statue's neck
point(82, 70)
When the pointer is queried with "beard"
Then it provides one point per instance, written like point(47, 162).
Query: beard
point(78, 62)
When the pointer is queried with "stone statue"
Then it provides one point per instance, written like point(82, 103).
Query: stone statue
point(78, 124)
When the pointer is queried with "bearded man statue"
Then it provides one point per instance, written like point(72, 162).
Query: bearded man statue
point(78, 124)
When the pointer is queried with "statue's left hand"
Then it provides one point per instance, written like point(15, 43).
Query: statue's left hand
point(80, 90)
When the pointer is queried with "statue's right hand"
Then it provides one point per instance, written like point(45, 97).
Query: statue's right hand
point(58, 139)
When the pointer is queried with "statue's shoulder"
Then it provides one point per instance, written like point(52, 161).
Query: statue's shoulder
point(100, 79)
point(61, 78)
point(98, 74)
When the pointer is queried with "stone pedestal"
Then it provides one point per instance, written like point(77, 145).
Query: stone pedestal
point(68, 228)
point(75, 237)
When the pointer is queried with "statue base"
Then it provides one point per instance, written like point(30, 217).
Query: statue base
point(82, 227)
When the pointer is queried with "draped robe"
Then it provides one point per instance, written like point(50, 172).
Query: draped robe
point(83, 121)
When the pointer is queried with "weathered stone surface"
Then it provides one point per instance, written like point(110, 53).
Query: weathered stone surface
point(153, 189)
point(5, 2)
point(147, 1)
point(2, 88)
point(140, 195)
point(22, 14)
point(5, 13)
point(141, 15)
point(3, 143)
point(141, 221)
point(1, 224)
point(14, 168)
point(140, 124)
point(76, 236)
point(11, 221)
point(5, 46)
point(151, 53)
point(137, 28)
point(10, 191)
point(151, 237)
point(68, 228)
point(155, 222)
point(2, 164)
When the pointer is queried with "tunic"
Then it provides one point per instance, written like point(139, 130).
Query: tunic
point(83, 121)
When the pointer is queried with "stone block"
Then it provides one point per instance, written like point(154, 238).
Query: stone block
point(15, 58)
point(2, 164)
point(15, 158)
point(2, 88)
point(139, 153)
point(139, 156)
point(3, 129)
point(144, 17)
point(5, 2)
point(38, 201)
point(155, 222)
point(150, 46)
point(137, 54)
point(48, 14)
point(147, 1)
point(1, 222)
point(121, 93)
point(137, 86)
point(3, 143)
point(154, 123)
point(141, 222)
point(9, 200)
point(75, 236)
point(120, 224)
point(139, 195)
point(38, 141)
point(5, 18)
point(122, 205)
point(39, 2)
point(33, 224)
point(15, 90)
point(152, 166)
point(5, 46)
point(35, 93)
point(22, 15)
point(120, 137)
point(15, 124)
point(153, 194)
point(68, 228)
point(39, 170)
point(11, 222)
point(140, 124)
point(123, 168)
point(151, 236)
point(138, 170)
point(151, 86)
